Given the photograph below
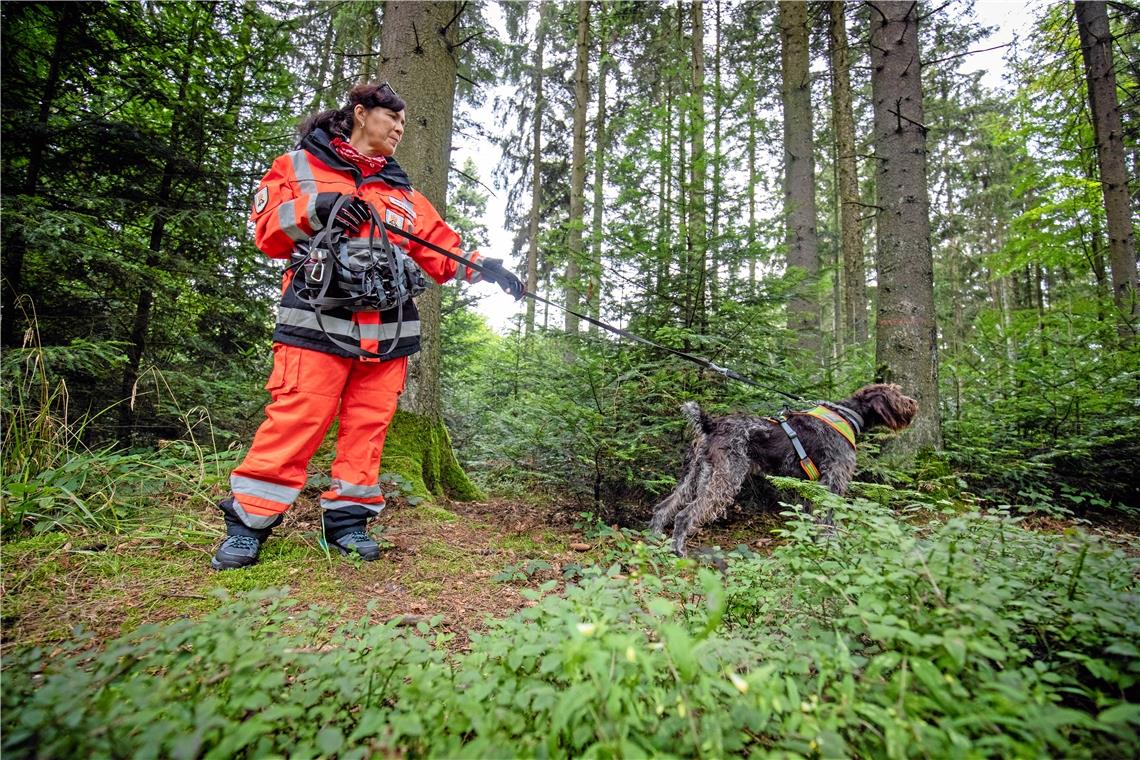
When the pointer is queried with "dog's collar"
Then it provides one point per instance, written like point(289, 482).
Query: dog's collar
point(852, 417)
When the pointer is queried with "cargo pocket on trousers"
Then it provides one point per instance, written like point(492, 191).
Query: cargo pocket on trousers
point(283, 378)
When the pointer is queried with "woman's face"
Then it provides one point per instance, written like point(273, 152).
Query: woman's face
point(377, 131)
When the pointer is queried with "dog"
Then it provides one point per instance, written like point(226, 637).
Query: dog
point(727, 450)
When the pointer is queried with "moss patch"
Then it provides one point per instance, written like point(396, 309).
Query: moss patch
point(545, 542)
point(420, 452)
point(440, 559)
point(428, 513)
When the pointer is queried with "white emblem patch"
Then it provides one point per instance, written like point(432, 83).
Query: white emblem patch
point(260, 200)
point(391, 217)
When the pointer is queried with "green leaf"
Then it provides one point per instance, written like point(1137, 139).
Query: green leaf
point(1125, 712)
point(329, 740)
point(956, 648)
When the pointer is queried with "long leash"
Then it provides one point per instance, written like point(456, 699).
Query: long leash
point(698, 360)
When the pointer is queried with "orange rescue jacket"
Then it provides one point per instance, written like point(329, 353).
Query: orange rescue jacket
point(284, 214)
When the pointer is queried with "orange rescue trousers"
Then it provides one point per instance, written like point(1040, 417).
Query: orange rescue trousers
point(308, 389)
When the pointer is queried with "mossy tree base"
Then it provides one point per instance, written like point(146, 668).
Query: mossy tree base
point(418, 449)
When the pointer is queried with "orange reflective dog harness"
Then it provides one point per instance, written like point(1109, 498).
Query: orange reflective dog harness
point(837, 421)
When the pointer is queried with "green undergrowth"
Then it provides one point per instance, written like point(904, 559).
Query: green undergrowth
point(903, 633)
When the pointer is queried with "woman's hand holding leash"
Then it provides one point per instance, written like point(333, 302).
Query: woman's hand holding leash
point(495, 272)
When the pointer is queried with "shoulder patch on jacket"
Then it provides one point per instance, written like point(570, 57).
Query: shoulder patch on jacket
point(260, 199)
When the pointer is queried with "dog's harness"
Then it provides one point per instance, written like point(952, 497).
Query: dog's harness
point(847, 422)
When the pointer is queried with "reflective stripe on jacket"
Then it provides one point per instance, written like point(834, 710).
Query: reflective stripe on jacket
point(284, 214)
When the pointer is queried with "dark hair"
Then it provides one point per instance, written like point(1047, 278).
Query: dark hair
point(338, 122)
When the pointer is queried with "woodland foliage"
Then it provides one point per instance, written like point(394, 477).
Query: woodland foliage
point(968, 636)
point(643, 174)
point(137, 310)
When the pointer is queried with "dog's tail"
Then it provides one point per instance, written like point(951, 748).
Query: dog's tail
point(698, 420)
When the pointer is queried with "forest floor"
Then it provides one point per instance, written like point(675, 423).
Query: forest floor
point(463, 561)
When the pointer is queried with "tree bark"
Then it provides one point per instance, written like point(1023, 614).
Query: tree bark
point(851, 238)
point(664, 234)
point(753, 179)
point(417, 44)
point(536, 165)
point(418, 58)
point(369, 40)
point(594, 288)
point(698, 173)
point(578, 169)
point(66, 21)
point(319, 69)
point(717, 166)
point(906, 333)
point(799, 176)
point(336, 84)
point(181, 122)
point(1096, 47)
point(681, 204)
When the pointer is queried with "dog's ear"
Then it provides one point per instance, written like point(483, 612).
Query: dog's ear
point(894, 409)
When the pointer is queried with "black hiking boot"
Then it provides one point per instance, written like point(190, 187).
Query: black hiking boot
point(235, 552)
point(357, 542)
point(242, 544)
point(344, 531)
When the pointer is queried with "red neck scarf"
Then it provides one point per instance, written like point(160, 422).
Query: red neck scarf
point(368, 165)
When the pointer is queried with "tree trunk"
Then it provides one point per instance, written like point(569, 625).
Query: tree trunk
point(717, 162)
point(698, 171)
point(67, 20)
point(337, 83)
point(906, 334)
point(578, 169)
point(1096, 47)
point(799, 176)
point(664, 232)
point(536, 165)
point(418, 44)
point(681, 204)
point(237, 87)
point(851, 237)
point(594, 289)
point(753, 178)
point(180, 123)
point(369, 40)
point(319, 69)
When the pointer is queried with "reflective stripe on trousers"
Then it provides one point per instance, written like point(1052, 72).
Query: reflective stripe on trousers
point(308, 390)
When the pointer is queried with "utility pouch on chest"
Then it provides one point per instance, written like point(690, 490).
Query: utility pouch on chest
point(359, 274)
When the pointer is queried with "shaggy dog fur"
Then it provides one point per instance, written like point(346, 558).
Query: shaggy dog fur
point(727, 450)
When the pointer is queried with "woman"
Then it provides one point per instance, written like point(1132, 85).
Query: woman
point(325, 362)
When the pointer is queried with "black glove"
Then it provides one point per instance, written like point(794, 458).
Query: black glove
point(494, 271)
point(354, 213)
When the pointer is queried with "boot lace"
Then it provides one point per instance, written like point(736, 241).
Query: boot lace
point(242, 542)
point(355, 537)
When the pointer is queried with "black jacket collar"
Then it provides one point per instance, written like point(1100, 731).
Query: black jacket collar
point(318, 142)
